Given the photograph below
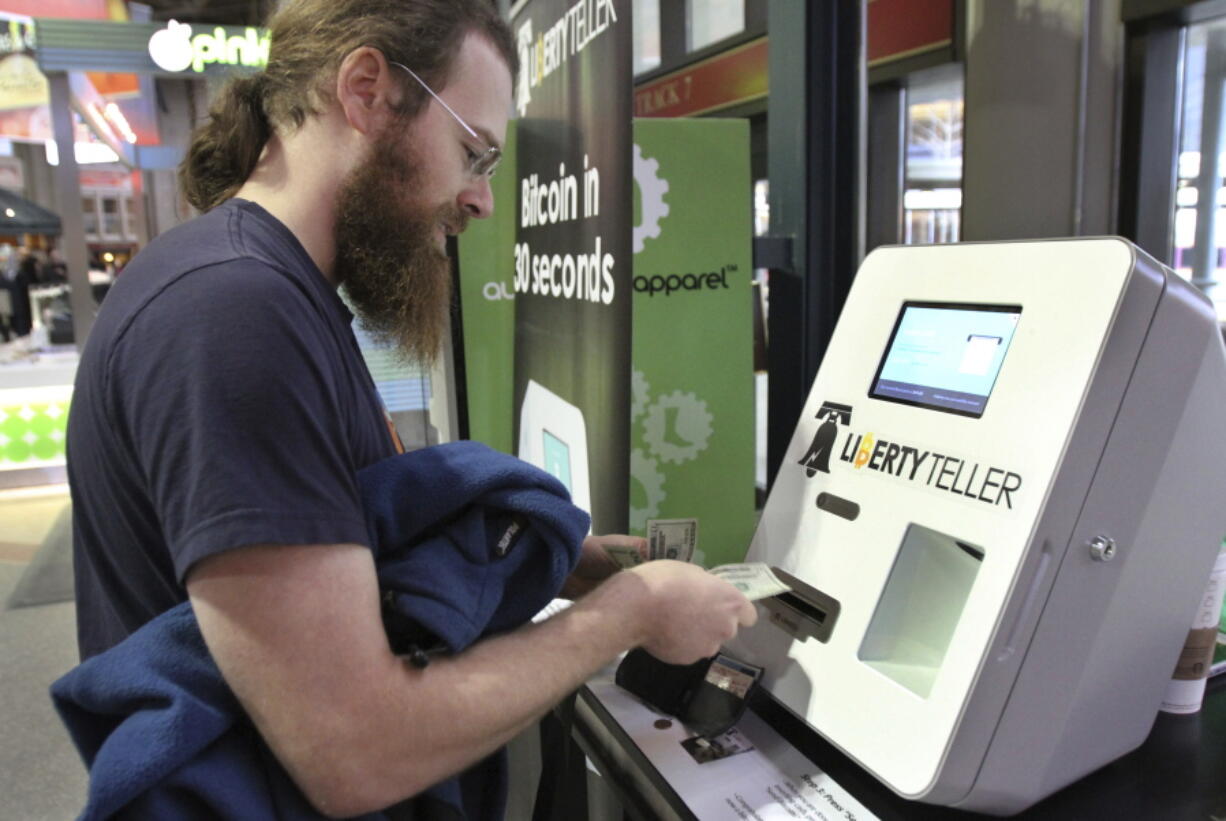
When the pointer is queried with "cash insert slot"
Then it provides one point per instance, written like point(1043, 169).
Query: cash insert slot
point(805, 612)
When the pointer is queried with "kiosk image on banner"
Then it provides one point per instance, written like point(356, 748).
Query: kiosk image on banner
point(997, 516)
point(553, 436)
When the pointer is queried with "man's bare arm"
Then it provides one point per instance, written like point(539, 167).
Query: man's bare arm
point(296, 631)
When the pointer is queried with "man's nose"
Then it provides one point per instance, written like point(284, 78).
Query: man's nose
point(477, 198)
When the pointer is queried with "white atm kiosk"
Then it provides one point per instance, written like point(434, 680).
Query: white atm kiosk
point(999, 511)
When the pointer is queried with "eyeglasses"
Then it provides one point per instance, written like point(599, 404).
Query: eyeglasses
point(481, 164)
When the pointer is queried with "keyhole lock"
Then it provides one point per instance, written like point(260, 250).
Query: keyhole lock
point(1102, 548)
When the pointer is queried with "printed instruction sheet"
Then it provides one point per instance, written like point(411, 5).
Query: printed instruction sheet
point(748, 774)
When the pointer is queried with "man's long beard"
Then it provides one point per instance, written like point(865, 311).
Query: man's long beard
point(395, 275)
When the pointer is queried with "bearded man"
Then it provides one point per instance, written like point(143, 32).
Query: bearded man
point(222, 410)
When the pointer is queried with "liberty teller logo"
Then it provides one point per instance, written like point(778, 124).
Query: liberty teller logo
point(938, 470)
point(818, 457)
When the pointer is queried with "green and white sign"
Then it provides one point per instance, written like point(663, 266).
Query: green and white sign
point(487, 309)
point(33, 425)
point(692, 413)
point(691, 406)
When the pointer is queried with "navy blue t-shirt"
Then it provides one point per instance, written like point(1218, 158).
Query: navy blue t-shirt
point(221, 401)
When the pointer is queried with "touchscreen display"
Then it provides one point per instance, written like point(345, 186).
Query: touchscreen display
point(946, 357)
point(557, 459)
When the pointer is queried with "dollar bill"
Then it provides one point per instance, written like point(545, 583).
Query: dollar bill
point(754, 579)
point(672, 538)
point(624, 557)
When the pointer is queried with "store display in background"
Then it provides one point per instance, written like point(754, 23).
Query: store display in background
point(32, 426)
point(1186, 690)
point(23, 88)
point(24, 94)
point(1219, 651)
point(692, 414)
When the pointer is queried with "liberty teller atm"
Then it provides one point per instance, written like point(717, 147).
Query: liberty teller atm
point(998, 513)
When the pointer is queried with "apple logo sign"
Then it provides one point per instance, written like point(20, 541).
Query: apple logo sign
point(171, 48)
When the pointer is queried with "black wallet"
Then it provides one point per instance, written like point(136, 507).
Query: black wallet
point(708, 696)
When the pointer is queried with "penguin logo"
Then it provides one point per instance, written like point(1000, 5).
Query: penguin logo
point(818, 457)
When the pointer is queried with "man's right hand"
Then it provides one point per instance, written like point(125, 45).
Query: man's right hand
point(688, 612)
point(295, 626)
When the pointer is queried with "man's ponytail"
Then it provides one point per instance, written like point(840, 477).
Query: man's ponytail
point(225, 149)
point(309, 41)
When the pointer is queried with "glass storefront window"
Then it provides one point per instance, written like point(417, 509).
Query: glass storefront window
point(761, 291)
point(932, 198)
point(111, 221)
point(646, 35)
point(1199, 229)
point(709, 21)
point(405, 387)
point(89, 210)
point(761, 207)
point(129, 218)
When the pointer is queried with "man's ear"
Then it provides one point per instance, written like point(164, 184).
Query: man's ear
point(366, 90)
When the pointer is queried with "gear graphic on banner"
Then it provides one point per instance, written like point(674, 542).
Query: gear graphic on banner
point(640, 390)
point(651, 198)
point(643, 469)
point(678, 427)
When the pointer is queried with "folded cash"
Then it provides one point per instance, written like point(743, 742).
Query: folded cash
point(754, 579)
point(672, 538)
point(623, 556)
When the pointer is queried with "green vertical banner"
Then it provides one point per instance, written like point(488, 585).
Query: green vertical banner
point(487, 308)
point(692, 414)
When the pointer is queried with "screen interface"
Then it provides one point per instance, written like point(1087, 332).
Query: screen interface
point(557, 459)
point(946, 357)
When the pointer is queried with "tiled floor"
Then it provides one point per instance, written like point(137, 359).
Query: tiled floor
point(25, 517)
point(41, 776)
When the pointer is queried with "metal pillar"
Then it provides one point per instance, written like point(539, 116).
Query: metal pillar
point(816, 144)
point(1040, 134)
point(1149, 145)
point(887, 122)
point(68, 204)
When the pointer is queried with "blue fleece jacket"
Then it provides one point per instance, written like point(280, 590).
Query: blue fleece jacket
point(468, 542)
